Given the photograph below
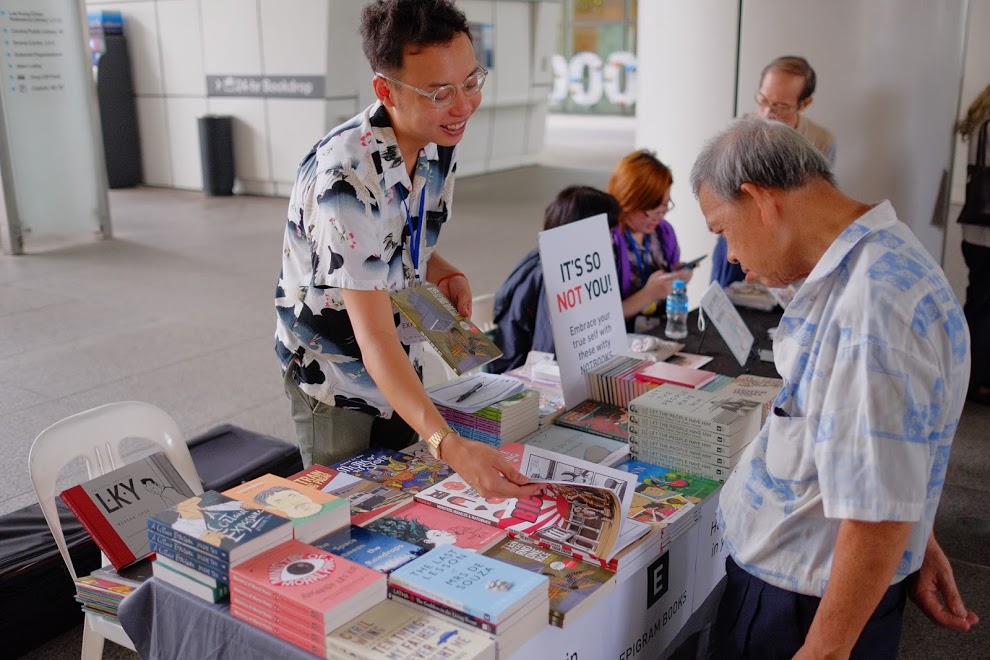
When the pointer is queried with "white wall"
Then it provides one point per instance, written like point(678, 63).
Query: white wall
point(175, 44)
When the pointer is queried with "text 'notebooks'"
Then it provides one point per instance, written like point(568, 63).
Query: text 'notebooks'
point(461, 344)
point(114, 507)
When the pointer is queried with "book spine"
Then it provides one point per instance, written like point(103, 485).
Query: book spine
point(676, 462)
point(169, 533)
point(306, 643)
point(190, 552)
point(180, 558)
point(478, 419)
point(640, 408)
point(612, 565)
point(99, 528)
point(284, 618)
point(410, 596)
point(475, 434)
point(684, 450)
point(645, 421)
point(241, 586)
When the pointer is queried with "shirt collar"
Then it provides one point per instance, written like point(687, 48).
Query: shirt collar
point(879, 217)
point(388, 148)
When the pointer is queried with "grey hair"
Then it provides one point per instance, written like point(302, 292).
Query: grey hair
point(756, 150)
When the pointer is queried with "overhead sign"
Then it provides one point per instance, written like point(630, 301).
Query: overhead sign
point(282, 87)
point(583, 298)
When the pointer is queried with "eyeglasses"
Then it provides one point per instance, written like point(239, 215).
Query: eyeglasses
point(444, 95)
point(781, 109)
point(660, 211)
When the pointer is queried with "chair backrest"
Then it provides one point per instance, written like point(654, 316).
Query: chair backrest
point(483, 312)
point(96, 436)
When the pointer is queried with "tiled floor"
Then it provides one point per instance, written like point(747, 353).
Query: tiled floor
point(177, 311)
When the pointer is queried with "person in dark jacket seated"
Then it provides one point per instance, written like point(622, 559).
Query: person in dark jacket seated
point(521, 316)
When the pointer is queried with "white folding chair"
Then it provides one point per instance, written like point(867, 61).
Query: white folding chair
point(96, 436)
point(483, 312)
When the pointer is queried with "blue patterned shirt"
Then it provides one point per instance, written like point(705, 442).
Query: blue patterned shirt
point(874, 353)
point(348, 229)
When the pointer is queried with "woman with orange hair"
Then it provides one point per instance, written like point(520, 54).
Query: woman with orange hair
point(645, 246)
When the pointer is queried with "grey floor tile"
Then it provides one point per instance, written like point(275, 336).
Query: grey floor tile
point(962, 525)
point(923, 640)
point(970, 458)
point(15, 397)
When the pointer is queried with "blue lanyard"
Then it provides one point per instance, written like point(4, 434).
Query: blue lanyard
point(640, 255)
point(415, 230)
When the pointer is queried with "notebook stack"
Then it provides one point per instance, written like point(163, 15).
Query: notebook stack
point(102, 590)
point(300, 593)
point(200, 539)
point(503, 600)
point(505, 421)
point(699, 431)
point(615, 381)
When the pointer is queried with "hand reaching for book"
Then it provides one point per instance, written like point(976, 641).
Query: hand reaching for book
point(485, 469)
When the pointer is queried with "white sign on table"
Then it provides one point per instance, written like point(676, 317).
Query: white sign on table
point(584, 300)
point(720, 311)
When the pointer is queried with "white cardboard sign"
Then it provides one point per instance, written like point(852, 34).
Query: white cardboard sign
point(729, 324)
point(584, 301)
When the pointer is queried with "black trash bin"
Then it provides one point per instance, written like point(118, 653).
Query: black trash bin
point(216, 151)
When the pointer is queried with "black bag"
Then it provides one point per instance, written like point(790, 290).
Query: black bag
point(976, 210)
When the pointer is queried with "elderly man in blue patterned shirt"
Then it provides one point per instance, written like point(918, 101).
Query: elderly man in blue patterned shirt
point(833, 504)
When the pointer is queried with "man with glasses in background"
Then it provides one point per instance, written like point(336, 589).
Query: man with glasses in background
point(787, 88)
point(364, 216)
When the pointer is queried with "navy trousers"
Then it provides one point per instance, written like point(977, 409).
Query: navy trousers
point(763, 622)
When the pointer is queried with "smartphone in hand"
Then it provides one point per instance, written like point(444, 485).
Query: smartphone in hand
point(691, 265)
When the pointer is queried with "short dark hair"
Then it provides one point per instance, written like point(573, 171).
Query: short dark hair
point(579, 202)
point(389, 26)
point(797, 66)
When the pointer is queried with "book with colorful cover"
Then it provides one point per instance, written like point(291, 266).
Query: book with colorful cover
point(461, 344)
point(599, 418)
point(220, 526)
point(312, 512)
point(369, 548)
point(664, 495)
point(397, 631)
point(471, 583)
point(368, 500)
point(428, 528)
point(574, 585)
point(395, 469)
point(114, 507)
point(311, 580)
point(580, 444)
point(665, 372)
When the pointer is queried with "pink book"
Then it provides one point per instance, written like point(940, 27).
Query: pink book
point(428, 528)
point(311, 580)
point(664, 372)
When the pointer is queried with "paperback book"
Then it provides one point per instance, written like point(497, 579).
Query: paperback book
point(580, 444)
point(114, 507)
point(395, 469)
point(429, 528)
point(574, 585)
point(201, 589)
point(735, 408)
point(368, 500)
point(598, 418)
point(665, 372)
point(666, 497)
point(461, 344)
point(396, 631)
point(369, 548)
point(312, 512)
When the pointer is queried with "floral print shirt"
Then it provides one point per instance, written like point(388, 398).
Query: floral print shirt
point(348, 227)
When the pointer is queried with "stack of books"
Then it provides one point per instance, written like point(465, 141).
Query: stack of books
point(666, 372)
point(615, 381)
point(599, 418)
point(300, 593)
point(508, 420)
point(394, 469)
point(543, 376)
point(666, 498)
point(368, 500)
point(369, 548)
point(200, 539)
point(503, 600)
point(702, 432)
point(101, 591)
point(428, 528)
point(399, 631)
point(313, 513)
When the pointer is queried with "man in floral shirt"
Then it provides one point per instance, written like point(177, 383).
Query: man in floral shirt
point(364, 217)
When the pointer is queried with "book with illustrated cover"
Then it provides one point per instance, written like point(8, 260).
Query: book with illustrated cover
point(461, 344)
point(327, 590)
point(395, 469)
point(471, 583)
point(574, 585)
point(368, 500)
point(220, 526)
point(663, 495)
point(397, 631)
point(312, 512)
point(428, 528)
point(114, 507)
point(581, 444)
point(369, 548)
point(599, 418)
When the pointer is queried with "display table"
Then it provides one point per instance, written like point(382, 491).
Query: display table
point(667, 592)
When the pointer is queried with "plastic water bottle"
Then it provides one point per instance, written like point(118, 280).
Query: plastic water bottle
point(677, 311)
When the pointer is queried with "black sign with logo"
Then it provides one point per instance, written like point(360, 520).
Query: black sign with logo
point(658, 579)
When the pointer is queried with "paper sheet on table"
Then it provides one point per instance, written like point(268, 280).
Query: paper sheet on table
point(481, 390)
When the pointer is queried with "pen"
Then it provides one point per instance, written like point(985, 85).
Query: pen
point(469, 393)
